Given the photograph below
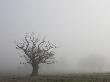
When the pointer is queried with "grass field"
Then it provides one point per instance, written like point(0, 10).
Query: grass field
point(99, 77)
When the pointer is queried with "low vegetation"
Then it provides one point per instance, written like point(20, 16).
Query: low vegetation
point(102, 77)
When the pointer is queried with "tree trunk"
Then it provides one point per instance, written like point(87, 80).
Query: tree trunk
point(35, 69)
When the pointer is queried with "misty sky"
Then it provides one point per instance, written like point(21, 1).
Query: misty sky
point(80, 28)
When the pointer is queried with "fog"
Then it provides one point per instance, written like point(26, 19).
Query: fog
point(80, 28)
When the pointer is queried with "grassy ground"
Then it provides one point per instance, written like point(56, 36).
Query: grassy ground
point(102, 77)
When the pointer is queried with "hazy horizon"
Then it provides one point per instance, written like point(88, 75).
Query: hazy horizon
point(80, 28)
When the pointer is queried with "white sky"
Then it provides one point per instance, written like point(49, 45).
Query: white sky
point(79, 27)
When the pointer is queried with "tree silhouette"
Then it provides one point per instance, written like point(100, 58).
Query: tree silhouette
point(36, 51)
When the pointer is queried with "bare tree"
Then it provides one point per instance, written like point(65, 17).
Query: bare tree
point(36, 51)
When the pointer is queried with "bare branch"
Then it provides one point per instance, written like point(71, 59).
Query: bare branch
point(36, 50)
